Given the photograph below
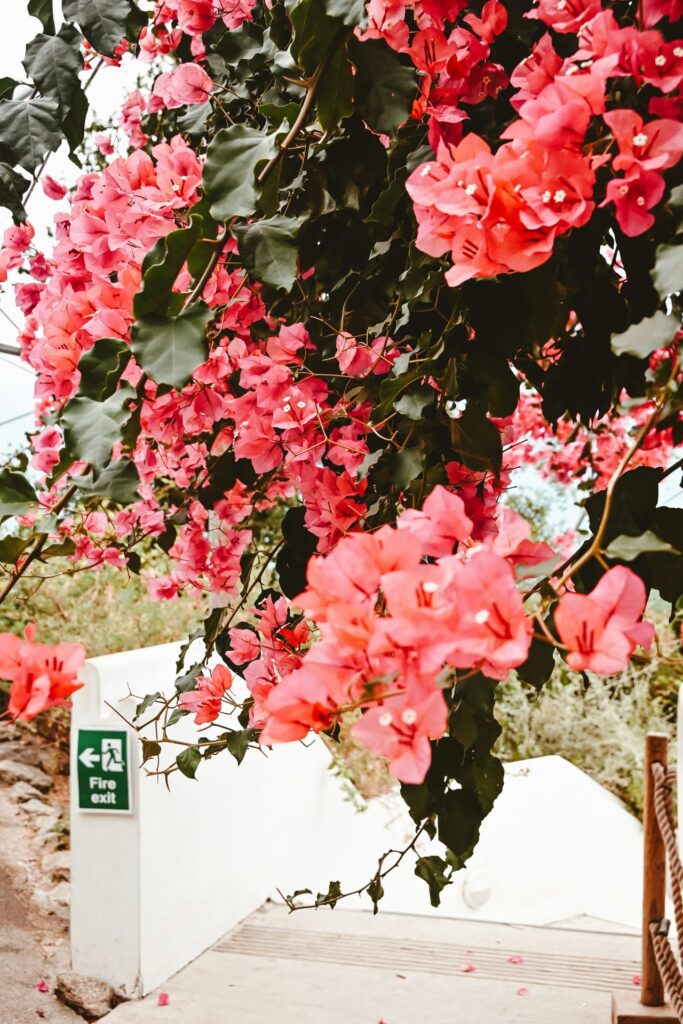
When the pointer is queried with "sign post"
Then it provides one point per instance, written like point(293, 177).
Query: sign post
point(103, 771)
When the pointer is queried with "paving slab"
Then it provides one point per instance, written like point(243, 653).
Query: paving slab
point(347, 967)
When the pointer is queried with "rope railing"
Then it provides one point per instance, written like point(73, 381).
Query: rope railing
point(661, 972)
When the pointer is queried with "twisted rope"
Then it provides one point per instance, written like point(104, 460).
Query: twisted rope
point(667, 964)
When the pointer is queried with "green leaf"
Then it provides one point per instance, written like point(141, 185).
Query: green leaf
point(12, 188)
point(412, 403)
point(42, 9)
point(539, 665)
point(314, 32)
point(238, 743)
point(385, 86)
point(330, 897)
point(73, 123)
point(103, 22)
point(349, 12)
point(16, 493)
point(145, 703)
point(460, 816)
point(433, 871)
point(233, 159)
point(7, 87)
point(627, 548)
point(269, 250)
point(335, 91)
point(668, 270)
point(188, 762)
point(12, 548)
point(476, 440)
point(375, 892)
point(161, 267)
point(404, 466)
point(643, 338)
point(29, 129)
point(169, 348)
point(54, 63)
point(91, 428)
point(101, 368)
point(118, 482)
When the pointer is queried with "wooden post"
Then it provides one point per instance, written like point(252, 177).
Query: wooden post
point(654, 871)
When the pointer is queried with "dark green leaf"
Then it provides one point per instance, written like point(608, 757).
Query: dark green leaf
point(335, 92)
point(161, 266)
point(627, 548)
point(330, 897)
point(460, 816)
point(412, 403)
point(12, 188)
point(54, 63)
point(269, 250)
point(101, 368)
point(150, 749)
point(168, 348)
point(375, 892)
point(145, 703)
point(233, 160)
point(433, 870)
point(73, 123)
point(539, 664)
point(16, 493)
point(238, 743)
point(476, 440)
point(314, 32)
point(385, 86)
point(643, 338)
point(7, 87)
point(118, 482)
point(91, 428)
point(404, 466)
point(29, 129)
point(349, 12)
point(12, 548)
point(668, 270)
point(188, 762)
point(103, 22)
point(42, 9)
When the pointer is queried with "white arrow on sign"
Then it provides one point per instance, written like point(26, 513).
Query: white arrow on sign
point(88, 757)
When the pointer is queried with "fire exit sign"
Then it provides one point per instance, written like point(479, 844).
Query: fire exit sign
point(103, 769)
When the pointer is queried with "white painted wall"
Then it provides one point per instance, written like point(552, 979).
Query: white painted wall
point(152, 890)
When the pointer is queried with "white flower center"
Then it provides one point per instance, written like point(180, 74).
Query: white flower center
point(425, 170)
point(547, 196)
point(660, 61)
point(385, 719)
point(678, 51)
point(301, 405)
point(482, 616)
point(623, 191)
point(560, 195)
point(409, 716)
point(286, 408)
point(471, 189)
point(640, 139)
point(430, 587)
point(640, 201)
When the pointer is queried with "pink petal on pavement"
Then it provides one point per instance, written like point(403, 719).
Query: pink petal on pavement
point(636, 979)
point(467, 968)
point(43, 986)
point(515, 959)
point(522, 991)
point(164, 999)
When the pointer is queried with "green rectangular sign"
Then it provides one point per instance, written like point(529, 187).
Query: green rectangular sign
point(103, 761)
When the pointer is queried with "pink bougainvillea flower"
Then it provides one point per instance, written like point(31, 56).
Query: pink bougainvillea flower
point(602, 629)
point(633, 197)
point(565, 15)
point(400, 730)
point(187, 83)
point(439, 524)
point(205, 701)
point(42, 675)
point(308, 699)
point(52, 188)
point(652, 145)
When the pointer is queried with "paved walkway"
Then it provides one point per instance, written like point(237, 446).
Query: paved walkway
point(348, 967)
